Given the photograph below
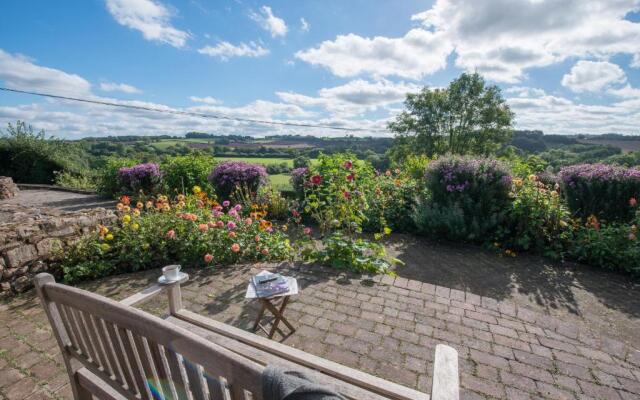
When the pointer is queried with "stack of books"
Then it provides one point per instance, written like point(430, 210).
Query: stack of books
point(268, 284)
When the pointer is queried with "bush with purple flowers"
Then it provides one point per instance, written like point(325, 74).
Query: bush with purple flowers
point(145, 178)
point(601, 190)
point(228, 176)
point(465, 198)
point(298, 178)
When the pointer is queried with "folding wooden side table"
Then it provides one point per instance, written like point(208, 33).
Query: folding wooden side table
point(269, 303)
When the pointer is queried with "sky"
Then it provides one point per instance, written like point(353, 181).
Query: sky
point(564, 66)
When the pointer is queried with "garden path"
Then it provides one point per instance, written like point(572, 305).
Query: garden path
point(509, 347)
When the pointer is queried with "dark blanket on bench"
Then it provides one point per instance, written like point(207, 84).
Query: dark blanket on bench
point(281, 384)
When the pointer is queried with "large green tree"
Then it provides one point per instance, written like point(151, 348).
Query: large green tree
point(467, 117)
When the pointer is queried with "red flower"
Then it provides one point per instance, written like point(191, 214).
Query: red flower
point(348, 164)
point(316, 179)
point(125, 200)
point(350, 177)
point(346, 194)
point(633, 202)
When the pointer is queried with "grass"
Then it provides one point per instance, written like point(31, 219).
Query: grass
point(280, 181)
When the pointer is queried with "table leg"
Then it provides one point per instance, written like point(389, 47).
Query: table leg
point(279, 316)
point(260, 314)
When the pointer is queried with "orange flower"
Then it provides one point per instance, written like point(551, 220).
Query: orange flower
point(208, 258)
point(265, 251)
point(232, 234)
point(119, 206)
point(203, 228)
point(235, 247)
point(125, 200)
point(171, 234)
point(139, 205)
point(257, 238)
point(593, 222)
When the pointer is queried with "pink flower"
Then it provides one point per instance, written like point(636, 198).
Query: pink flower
point(220, 224)
point(216, 213)
point(269, 229)
point(208, 258)
point(316, 179)
point(346, 194)
point(232, 234)
point(348, 164)
point(212, 224)
point(257, 238)
point(248, 221)
point(633, 202)
point(238, 207)
point(295, 213)
point(171, 234)
point(235, 247)
point(350, 177)
point(265, 251)
point(231, 225)
point(203, 227)
point(307, 230)
point(226, 203)
point(233, 212)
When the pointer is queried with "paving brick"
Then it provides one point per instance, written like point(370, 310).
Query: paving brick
point(518, 381)
point(552, 392)
point(486, 358)
point(598, 391)
point(9, 376)
point(486, 387)
point(20, 390)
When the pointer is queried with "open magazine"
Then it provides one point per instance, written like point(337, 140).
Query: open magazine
point(267, 284)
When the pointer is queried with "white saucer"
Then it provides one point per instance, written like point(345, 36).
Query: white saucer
point(163, 280)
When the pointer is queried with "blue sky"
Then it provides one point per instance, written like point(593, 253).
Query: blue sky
point(330, 62)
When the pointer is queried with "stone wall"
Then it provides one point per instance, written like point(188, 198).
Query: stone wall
point(8, 189)
point(30, 237)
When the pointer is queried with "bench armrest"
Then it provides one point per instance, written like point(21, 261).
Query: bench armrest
point(445, 374)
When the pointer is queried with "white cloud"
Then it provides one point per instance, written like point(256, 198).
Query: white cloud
point(269, 22)
point(559, 115)
point(119, 87)
point(304, 25)
point(20, 72)
point(418, 53)
point(592, 76)
point(354, 98)
point(205, 100)
point(499, 38)
point(226, 50)
point(635, 61)
point(150, 17)
point(625, 92)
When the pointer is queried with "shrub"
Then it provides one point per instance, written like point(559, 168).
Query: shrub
point(465, 199)
point(230, 175)
point(601, 190)
point(301, 162)
point(30, 157)
point(280, 168)
point(537, 219)
point(612, 246)
point(298, 179)
point(181, 173)
point(185, 231)
point(391, 197)
point(107, 182)
point(145, 178)
point(84, 181)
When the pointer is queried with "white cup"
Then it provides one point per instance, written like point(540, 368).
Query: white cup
point(171, 272)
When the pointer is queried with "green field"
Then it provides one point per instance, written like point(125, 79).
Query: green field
point(280, 181)
point(259, 160)
point(165, 143)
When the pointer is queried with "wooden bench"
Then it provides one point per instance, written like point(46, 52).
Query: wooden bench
point(115, 351)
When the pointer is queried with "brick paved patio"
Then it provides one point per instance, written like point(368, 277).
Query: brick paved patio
point(381, 325)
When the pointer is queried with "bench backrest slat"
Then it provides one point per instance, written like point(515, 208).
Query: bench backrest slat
point(139, 355)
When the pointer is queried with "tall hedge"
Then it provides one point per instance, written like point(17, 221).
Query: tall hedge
point(601, 190)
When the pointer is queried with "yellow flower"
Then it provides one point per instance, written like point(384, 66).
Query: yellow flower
point(135, 226)
point(136, 212)
point(197, 189)
point(109, 237)
point(126, 219)
point(387, 231)
point(104, 247)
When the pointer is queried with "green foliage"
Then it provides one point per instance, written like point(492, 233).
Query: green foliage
point(30, 157)
point(414, 166)
point(537, 219)
point(343, 252)
point(107, 183)
point(465, 199)
point(85, 181)
point(468, 117)
point(181, 173)
point(612, 246)
point(301, 162)
point(391, 197)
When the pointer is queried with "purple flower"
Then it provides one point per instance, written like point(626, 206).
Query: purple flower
point(230, 175)
point(146, 177)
